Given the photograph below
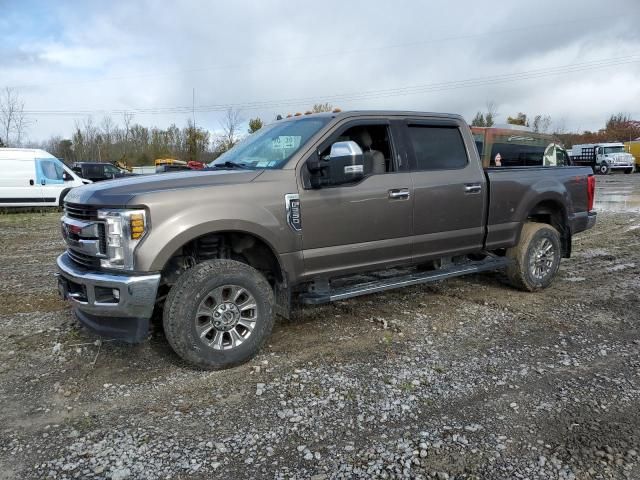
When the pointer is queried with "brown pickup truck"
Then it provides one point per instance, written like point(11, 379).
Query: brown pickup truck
point(311, 209)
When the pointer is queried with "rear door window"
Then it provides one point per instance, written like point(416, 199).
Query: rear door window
point(437, 147)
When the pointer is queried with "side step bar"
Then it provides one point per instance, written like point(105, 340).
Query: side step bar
point(350, 291)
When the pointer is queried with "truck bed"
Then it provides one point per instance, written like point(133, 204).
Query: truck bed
point(515, 191)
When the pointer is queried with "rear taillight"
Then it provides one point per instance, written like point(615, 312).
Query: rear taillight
point(591, 191)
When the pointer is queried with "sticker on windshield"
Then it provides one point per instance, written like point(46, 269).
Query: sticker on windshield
point(262, 164)
point(272, 163)
point(284, 142)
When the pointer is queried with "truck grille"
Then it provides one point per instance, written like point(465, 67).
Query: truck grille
point(88, 217)
point(83, 259)
point(80, 212)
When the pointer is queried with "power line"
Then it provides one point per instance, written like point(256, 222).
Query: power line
point(371, 94)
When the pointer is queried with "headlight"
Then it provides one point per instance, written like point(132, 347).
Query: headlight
point(123, 231)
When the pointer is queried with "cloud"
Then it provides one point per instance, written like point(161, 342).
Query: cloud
point(141, 55)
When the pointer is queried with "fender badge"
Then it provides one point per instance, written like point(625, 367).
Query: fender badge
point(294, 215)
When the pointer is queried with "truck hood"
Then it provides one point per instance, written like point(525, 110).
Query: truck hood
point(118, 192)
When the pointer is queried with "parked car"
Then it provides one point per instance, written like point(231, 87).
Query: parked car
point(603, 157)
point(31, 177)
point(297, 213)
point(97, 171)
point(165, 168)
point(516, 146)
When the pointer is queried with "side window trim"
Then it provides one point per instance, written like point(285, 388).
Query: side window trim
point(343, 127)
point(413, 161)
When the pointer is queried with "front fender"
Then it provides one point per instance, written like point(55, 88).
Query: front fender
point(251, 208)
point(149, 261)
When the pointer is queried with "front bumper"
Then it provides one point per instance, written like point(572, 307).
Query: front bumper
point(620, 166)
point(92, 294)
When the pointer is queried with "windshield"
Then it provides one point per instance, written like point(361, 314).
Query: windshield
point(619, 149)
point(273, 145)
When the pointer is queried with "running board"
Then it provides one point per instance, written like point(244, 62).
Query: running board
point(342, 293)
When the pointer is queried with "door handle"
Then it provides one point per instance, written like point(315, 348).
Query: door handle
point(31, 182)
point(399, 193)
point(472, 188)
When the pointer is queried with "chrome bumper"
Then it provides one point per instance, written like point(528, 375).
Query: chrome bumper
point(91, 292)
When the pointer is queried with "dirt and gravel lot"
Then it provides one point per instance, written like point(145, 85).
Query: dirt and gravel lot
point(464, 379)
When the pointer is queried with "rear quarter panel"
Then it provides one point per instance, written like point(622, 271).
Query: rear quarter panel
point(515, 192)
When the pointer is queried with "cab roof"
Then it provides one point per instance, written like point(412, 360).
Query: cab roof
point(23, 154)
point(373, 113)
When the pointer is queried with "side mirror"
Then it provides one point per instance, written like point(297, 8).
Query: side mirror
point(346, 163)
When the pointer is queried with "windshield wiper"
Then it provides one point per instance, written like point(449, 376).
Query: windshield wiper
point(228, 164)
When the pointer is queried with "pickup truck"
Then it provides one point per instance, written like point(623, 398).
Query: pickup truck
point(311, 209)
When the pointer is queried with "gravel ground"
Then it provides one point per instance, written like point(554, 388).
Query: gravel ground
point(466, 378)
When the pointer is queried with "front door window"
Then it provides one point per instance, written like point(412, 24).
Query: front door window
point(49, 171)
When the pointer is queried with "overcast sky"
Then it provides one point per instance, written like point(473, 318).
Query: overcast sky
point(576, 60)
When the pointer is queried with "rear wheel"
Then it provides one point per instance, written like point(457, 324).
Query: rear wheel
point(218, 314)
point(536, 258)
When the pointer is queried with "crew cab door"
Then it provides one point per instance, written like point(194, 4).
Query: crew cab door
point(449, 188)
point(364, 224)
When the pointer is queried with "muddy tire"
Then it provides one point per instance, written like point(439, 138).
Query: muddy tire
point(536, 258)
point(218, 314)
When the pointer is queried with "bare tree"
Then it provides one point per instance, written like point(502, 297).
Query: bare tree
point(127, 118)
point(541, 123)
point(492, 114)
point(321, 107)
point(230, 129)
point(13, 120)
point(107, 127)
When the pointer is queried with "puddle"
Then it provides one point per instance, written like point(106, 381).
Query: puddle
point(618, 198)
point(618, 203)
point(621, 266)
point(595, 252)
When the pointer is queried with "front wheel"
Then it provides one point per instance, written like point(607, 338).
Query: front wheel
point(628, 171)
point(218, 314)
point(604, 169)
point(536, 258)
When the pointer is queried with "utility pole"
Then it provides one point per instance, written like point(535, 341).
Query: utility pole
point(193, 117)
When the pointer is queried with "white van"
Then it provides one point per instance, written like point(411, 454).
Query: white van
point(31, 178)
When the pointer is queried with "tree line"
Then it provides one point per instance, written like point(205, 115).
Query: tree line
point(619, 127)
point(127, 141)
point(135, 144)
